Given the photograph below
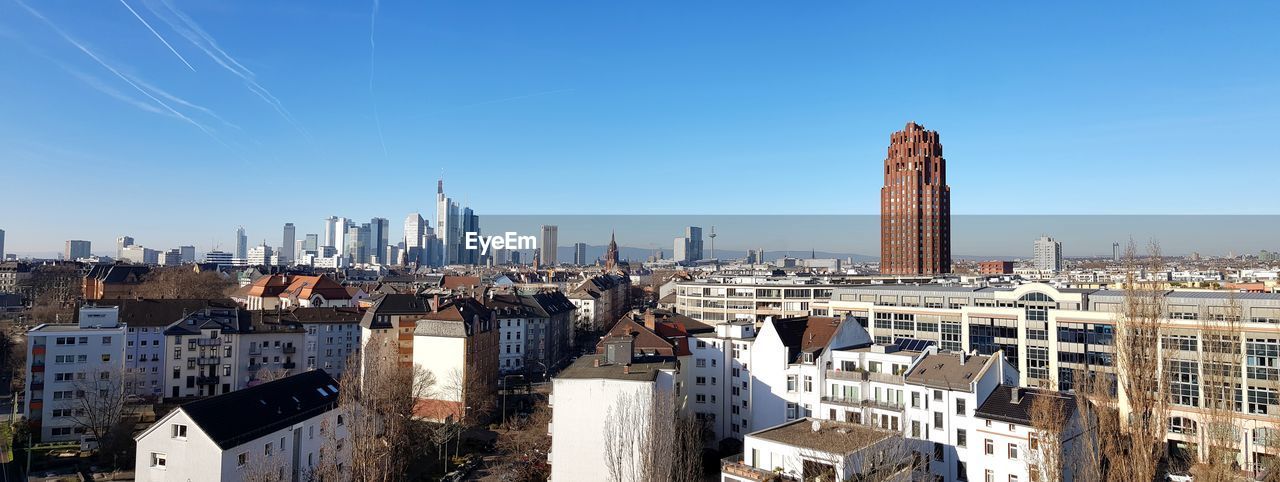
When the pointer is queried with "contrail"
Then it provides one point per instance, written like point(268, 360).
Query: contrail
point(125, 78)
point(157, 34)
point(188, 28)
point(373, 99)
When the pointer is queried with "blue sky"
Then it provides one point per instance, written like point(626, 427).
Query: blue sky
point(260, 113)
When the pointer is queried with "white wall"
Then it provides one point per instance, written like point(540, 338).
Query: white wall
point(579, 414)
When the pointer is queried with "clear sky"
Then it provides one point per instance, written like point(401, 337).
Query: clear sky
point(175, 121)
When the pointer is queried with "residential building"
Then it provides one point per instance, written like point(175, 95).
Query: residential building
point(534, 330)
point(812, 449)
point(586, 398)
point(12, 274)
point(788, 361)
point(720, 352)
point(280, 430)
point(219, 350)
point(76, 249)
point(941, 391)
point(1009, 449)
point(67, 363)
point(1047, 254)
point(547, 245)
point(458, 342)
point(915, 205)
point(333, 335)
point(600, 301)
point(995, 267)
point(112, 281)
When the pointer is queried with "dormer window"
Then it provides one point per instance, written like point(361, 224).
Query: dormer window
point(808, 357)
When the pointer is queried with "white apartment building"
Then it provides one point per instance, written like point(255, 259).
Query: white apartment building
point(600, 300)
point(788, 364)
point(220, 350)
point(282, 430)
point(1047, 254)
point(1005, 441)
point(813, 449)
point(583, 397)
point(722, 353)
point(66, 363)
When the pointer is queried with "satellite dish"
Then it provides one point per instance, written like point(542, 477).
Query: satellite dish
point(815, 426)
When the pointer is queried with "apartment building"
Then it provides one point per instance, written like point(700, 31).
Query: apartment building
point(600, 300)
point(813, 449)
point(535, 330)
point(280, 430)
point(721, 352)
point(332, 336)
point(144, 350)
point(1005, 439)
point(585, 398)
point(942, 391)
point(788, 362)
point(12, 274)
point(1050, 334)
point(220, 350)
point(66, 364)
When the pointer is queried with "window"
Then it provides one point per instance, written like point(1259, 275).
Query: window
point(990, 476)
point(937, 451)
point(791, 411)
point(791, 383)
point(242, 458)
point(937, 420)
point(915, 400)
point(700, 398)
point(937, 395)
point(808, 383)
point(178, 431)
point(960, 406)
point(266, 450)
point(157, 460)
point(915, 429)
point(988, 447)
point(700, 363)
point(700, 381)
point(962, 438)
point(1013, 451)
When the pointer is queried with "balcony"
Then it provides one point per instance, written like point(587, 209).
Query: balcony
point(883, 404)
point(207, 380)
point(732, 465)
point(208, 360)
point(885, 378)
point(253, 367)
point(38, 368)
point(37, 386)
point(37, 350)
point(290, 349)
point(209, 342)
point(848, 402)
point(289, 365)
point(851, 375)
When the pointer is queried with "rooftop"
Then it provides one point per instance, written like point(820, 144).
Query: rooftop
point(243, 415)
point(948, 371)
point(830, 437)
point(585, 368)
point(1002, 405)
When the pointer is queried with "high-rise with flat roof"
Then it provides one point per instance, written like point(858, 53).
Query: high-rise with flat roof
point(242, 244)
point(547, 244)
point(1047, 254)
point(915, 205)
point(287, 244)
point(121, 243)
point(76, 249)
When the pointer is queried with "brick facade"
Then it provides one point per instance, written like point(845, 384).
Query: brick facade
point(915, 205)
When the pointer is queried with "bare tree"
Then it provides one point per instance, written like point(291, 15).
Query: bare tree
point(371, 433)
point(54, 291)
point(526, 445)
point(265, 374)
point(98, 408)
point(648, 439)
point(184, 282)
point(266, 468)
point(1143, 382)
point(1221, 362)
point(1049, 421)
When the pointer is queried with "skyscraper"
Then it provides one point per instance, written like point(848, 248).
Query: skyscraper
point(1, 245)
point(547, 244)
point(286, 246)
point(311, 243)
point(330, 231)
point(1047, 254)
point(121, 243)
point(242, 244)
point(187, 254)
point(76, 249)
point(580, 254)
point(379, 238)
point(915, 205)
point(688, 248)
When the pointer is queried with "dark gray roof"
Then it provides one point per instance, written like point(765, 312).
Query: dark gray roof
point(160, 312)
point(946, 371)
point(645, 371)
point(243, 415)
point(1000, 404)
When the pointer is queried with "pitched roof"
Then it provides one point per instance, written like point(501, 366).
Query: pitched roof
point(454, 282)
point(643, 340)
point(243, 415)
point(304, 287)
point(333, 315)
point(268, 286)
point(1001, 405)
point(806, 334)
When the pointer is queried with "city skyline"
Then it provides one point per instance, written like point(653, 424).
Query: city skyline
point(1020, 107)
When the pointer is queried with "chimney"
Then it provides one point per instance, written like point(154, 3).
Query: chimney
point(650, 321)
point(626, 369)
point(1015, 395)
point(597, 363)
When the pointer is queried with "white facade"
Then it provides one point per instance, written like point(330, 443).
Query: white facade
point(1047, 254)
point(723, 356)
point(63, 362)
point(784, 390)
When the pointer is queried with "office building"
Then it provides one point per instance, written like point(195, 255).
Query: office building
point(121, 243)
point(580, 254)
point(187, 254)
point(140, 255)
point(1, 245)
point(415, 239)
point(171, 257)
point(261, 255)
point(242, 244)
point(379, 239)
point(311, 243)
point(75, 250)
point(915, 205)
point(995, 267)
point(547, 245)
point(218, 257)
point(1047, 254)
point(287, 247)
point(688, 248)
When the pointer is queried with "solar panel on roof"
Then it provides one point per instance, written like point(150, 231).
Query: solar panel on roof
point(912, 344)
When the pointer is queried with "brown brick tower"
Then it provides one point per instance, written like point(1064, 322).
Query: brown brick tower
point(915, 205)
